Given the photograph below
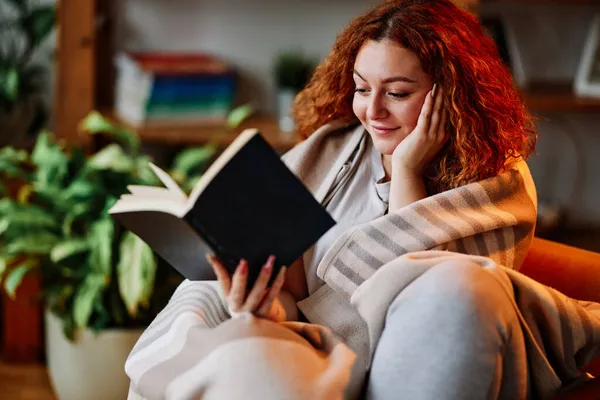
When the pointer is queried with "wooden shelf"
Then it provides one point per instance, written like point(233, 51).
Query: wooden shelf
point(557, 97)
point(220, 135)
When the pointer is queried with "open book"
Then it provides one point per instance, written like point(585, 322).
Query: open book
point(248, 204)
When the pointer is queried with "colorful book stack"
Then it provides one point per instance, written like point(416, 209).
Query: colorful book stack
point(163, 89)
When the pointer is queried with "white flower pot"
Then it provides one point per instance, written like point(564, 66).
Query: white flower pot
point(91, 367)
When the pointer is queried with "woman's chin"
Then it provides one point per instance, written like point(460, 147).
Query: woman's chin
point(386, 144)
point(384, 147)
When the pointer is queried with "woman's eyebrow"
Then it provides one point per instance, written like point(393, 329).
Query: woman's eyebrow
point(390, 79)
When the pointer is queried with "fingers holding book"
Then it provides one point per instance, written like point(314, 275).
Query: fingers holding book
point(261, 300)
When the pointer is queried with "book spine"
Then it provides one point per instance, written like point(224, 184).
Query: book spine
point(180, 63)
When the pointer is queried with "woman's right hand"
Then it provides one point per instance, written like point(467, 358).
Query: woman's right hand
point(261, 300)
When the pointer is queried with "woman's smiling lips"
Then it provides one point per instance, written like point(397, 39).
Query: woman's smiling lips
point(382, 130)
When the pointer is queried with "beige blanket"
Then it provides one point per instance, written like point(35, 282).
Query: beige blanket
point(193, 349)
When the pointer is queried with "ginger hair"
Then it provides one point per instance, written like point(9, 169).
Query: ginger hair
point(487, 122)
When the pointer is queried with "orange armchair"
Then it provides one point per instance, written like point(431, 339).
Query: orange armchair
point(576, 273)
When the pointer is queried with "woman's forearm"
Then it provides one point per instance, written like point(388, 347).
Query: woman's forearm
point(407, 187)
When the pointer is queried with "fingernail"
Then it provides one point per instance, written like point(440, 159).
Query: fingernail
point(268, 266)
point(209, 257)
point(243, 266)
point(433, 90)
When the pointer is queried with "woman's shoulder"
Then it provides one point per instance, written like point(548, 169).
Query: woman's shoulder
point(316, 160)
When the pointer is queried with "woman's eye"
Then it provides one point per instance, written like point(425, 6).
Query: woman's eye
point(361, 91)
point(398, 95)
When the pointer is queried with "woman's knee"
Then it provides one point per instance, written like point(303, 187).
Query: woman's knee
point(457, 312)
point(457, 292)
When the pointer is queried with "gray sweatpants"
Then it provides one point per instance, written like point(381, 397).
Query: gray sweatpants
point(451, 334)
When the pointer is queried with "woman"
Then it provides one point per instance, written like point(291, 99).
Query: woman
point(440, 108)
point(412, 103)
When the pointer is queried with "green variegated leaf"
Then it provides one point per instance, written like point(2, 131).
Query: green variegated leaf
point(38, 23)
point(15, 277)
point(4, 224)
point(4, 262)
point(68, 248)
point(35, 243)
point(136, 271)
point(113, 158)
point(49, 194)
point(7, 205)
point(144, 172)
point(13, 155)
point(11, 161)
point(11, 170)
point(239, 115)
point(80, 189)
point(194, 160)
point(85, 297)
point(101, 237)
point(51, 161)
point(96, 123)
point(110, 201)
point(129, 140)
point(33, 217)
point(9, 83)
point(77, 211)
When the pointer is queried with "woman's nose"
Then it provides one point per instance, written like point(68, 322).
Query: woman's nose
point(376, 108)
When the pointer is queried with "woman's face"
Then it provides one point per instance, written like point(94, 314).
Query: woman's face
point(390, 88)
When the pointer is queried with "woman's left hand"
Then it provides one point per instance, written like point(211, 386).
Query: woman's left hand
point(426, 140)
point(262, 301)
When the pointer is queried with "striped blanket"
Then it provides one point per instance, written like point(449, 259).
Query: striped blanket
point(193, 349)
point(493, 218)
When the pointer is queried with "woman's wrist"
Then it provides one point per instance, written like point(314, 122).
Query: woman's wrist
point(407, 187)
point(402, 170)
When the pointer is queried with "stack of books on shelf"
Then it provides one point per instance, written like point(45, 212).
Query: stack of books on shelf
point(171, 88)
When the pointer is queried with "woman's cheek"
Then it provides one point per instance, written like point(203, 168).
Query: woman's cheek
point(359, 108)
point(412, 111)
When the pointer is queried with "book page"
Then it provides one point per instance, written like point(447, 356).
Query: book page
point(131, 203)
point(151, 192)
point(169, 182)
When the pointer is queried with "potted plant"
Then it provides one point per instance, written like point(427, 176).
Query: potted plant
point(292, 72)
point(23, 28)
point(100, 284)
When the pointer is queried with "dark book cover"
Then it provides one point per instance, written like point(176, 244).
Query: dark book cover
point(253, 207)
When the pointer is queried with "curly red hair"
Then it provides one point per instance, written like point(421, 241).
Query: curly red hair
point(487, 117)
